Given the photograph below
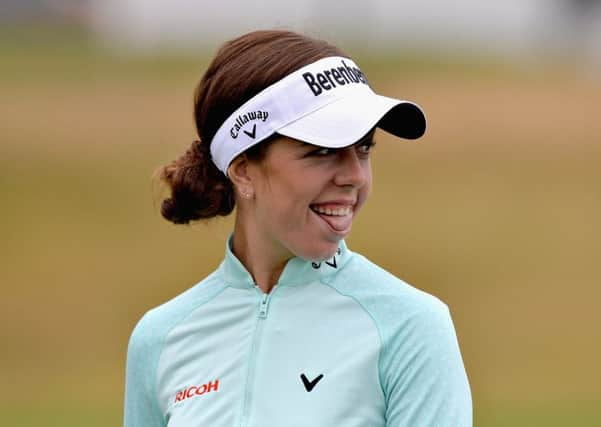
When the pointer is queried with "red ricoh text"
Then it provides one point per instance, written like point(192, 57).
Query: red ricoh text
point(197, 390)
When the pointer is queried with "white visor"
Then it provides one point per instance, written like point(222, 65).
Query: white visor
point(327, 103)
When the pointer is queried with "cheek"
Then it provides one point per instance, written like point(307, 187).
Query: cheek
point(365, 191)
point(286, 203)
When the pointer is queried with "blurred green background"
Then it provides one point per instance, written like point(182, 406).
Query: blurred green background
point(496, 211)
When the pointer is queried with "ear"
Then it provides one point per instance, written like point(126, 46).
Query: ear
point(238, 174)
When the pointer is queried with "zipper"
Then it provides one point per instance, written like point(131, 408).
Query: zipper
point(264, 306)
point(262, 312)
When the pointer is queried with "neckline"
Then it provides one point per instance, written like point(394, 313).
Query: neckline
point(297, 270)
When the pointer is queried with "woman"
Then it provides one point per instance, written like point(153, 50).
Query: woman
point(292, 329)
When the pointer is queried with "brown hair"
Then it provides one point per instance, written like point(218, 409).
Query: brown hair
point(241, 68)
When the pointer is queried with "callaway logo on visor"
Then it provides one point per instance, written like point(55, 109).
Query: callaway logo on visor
point(327, 103)
point(245, 118)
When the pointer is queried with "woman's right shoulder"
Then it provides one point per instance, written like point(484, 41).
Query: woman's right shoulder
point(157, 322)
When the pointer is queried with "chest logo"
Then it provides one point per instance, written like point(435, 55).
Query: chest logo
point(197, 390)
point(310, 385)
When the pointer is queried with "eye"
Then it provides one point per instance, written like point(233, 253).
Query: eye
point(322, 152)
point(365, 147)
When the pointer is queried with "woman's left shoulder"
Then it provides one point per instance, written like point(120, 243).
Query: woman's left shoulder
point(384, 291)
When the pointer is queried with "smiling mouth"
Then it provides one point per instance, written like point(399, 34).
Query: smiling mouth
point(332, 211)
point(338, 218)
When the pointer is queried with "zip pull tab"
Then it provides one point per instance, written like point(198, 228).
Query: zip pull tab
point(264, 306)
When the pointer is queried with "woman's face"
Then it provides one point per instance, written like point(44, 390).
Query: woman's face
point(306, 197)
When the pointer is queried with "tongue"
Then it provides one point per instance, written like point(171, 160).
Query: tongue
point(338, 223)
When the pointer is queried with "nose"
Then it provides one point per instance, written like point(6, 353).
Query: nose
point(352, 170)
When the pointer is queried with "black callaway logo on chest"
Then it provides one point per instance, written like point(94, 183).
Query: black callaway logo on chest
point(310, 385)
point(328, 78)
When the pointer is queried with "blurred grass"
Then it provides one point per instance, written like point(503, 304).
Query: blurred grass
point(496, 211)
point(57, 416)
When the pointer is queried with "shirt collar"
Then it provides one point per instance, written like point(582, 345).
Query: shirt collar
point(297, 270)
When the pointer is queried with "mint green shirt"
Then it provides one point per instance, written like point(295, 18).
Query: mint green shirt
point(339, 343)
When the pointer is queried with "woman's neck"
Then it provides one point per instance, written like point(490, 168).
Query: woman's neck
point(260, 256)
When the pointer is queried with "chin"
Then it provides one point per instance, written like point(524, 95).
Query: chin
point(318, 253)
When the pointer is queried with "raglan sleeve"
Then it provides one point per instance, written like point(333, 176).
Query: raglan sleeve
point(422, 371)
point(141, 404)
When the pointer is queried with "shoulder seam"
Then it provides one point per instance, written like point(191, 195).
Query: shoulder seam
point(154, 371)
point(371, 316)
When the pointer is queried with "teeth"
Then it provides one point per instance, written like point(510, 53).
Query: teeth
point(333, 212)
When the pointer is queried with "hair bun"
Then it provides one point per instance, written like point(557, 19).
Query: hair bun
point(170, 211)
point(198, 189)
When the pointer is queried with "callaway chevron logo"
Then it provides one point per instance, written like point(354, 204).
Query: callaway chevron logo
point(310, 385)
point(331, 262)
point(243, 119)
